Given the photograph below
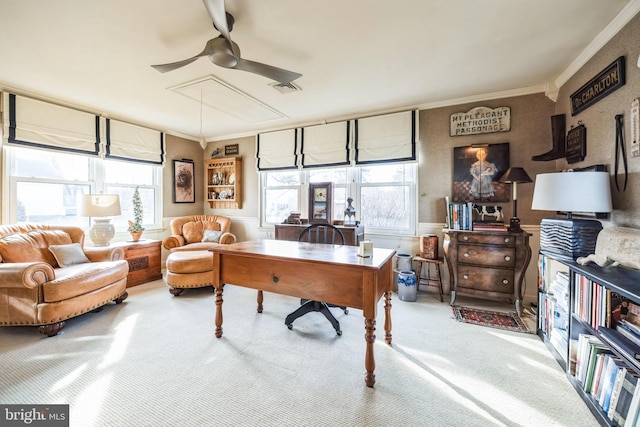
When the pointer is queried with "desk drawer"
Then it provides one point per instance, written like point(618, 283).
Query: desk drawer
point(315, 281)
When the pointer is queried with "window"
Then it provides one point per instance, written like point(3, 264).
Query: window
point(384, 195)
point(45, 186)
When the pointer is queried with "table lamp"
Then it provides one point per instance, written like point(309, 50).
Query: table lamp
point(99, 206)
point(513, 176)
point(571, 192)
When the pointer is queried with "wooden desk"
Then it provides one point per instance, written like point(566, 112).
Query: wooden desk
point(334, 274)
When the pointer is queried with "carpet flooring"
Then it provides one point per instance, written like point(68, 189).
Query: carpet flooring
point(154, 361)
point(509, 321)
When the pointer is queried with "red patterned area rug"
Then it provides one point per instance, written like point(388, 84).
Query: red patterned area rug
point(492, 319)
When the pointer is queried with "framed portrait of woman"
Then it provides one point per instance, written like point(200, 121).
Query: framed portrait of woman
point(476, 171)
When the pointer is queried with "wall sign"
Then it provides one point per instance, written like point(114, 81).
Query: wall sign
point(481, 120)
point(231, 150)
point(602, 85)
point(576, 144)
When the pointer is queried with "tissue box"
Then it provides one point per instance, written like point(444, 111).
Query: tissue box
point(366, 248)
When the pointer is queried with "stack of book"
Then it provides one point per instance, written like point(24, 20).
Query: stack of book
point(489, 226)
point(611, 383)
point(294, 218)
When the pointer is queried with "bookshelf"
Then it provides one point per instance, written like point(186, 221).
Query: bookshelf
point(586, 316)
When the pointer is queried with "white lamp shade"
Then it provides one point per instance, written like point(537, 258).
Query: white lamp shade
point(572, 192)
point(100, 205)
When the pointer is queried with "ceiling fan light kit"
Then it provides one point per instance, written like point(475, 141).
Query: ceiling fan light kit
point(223, 52)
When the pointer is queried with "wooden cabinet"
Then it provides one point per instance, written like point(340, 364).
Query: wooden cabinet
point(487, 264)
point(577, 321)
point(224, 182)
point(144, 258)
point(352, 235)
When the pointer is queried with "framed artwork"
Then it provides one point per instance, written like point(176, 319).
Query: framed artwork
point(476, 171)
point(184, 186)
point(320, 202)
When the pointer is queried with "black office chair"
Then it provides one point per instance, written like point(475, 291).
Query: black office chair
point(318, 233)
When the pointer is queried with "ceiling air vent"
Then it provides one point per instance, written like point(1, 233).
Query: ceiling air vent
point(285, 87)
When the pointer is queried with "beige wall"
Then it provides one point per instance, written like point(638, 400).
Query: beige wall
point(530, 135)
point(178, 149)
point(599, 120)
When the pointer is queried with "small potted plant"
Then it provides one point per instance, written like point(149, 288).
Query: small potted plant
point(135, 226)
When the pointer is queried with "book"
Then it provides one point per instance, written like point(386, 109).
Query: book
point(629, 383)
point(611, 371)
point(634, 407)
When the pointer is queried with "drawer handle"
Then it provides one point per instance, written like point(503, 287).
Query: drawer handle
point(507, 258)
point(466, 254)
point(275, 279)
point(506, 240)
point(505, 281)
point(465, 276)
point(465, 237)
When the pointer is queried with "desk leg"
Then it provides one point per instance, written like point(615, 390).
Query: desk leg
point(219, 311)
point(387, 317)
point(260, 300)
point(369, 361)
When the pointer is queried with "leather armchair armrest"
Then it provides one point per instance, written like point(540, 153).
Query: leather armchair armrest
point(25, 274)
point(173, 241)
point(105, 253)
point(227, 238)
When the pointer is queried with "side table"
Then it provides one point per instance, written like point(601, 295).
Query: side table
point(144, 258)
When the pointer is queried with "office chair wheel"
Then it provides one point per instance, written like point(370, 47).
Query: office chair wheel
point(290, 326)
point(346, 311)
point(339, 333)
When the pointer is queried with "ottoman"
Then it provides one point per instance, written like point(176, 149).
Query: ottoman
point(189, 269)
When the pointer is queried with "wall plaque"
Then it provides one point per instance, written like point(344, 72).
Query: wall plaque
point(231, 150)
point(576, 149)
point(605, 83)
point(481, 120)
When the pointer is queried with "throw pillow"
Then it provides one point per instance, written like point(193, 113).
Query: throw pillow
point(67, 255)
point(212, 236)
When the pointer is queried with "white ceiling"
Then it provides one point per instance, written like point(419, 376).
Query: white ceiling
point(357, 57)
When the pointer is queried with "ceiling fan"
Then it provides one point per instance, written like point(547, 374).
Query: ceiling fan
point(223, 52)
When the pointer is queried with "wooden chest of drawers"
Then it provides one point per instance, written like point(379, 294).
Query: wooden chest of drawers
point(144, 261)
point(487, 264)
point(352, 235)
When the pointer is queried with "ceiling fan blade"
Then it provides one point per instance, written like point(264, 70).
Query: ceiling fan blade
point(163, 68)
point(269, 71)
point(218, 14)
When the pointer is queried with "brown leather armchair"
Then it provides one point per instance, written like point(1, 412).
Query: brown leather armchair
point(47, 276)
point(190, 263)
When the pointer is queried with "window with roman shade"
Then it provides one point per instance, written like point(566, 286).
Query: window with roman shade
point(134, 143)
point(38, 124)
point(277, 150)
point(386, 138)
point(325, 145)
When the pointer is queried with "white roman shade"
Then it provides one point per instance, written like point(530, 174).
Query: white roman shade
point(325, 145)
point(130, 142)
point(386, 138)
point(40, 124)
point(277, 150)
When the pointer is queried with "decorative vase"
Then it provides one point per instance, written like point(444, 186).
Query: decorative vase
point(135, 235)
point(407, 286)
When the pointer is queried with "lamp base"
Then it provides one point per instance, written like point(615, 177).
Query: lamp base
point(102, 232)
point(569, 238)
point(514, 225)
